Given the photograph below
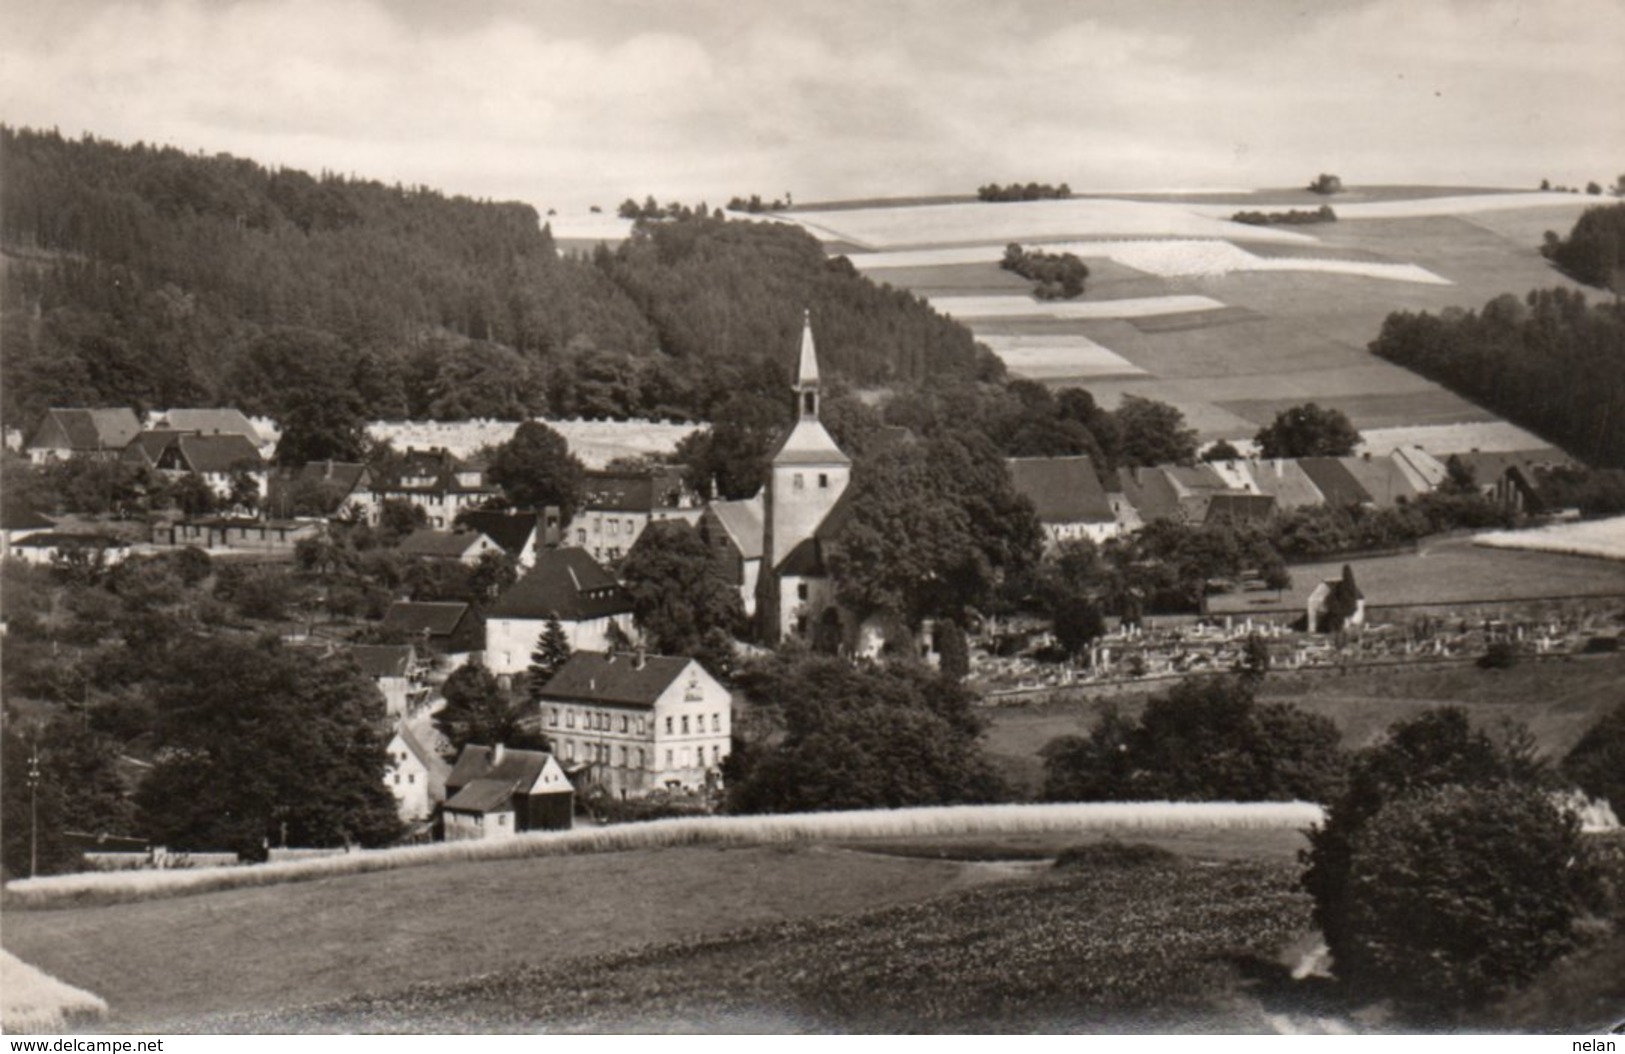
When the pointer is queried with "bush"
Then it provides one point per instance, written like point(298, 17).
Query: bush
point(1597, 762)
point(1459, 894)
point(1500, 655)
point(1112, 853)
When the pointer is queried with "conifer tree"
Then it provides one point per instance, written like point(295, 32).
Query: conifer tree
point(552, 652)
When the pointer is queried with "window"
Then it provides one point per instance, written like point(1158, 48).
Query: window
point(569, 719)
point(411, 777)
point(716, 722)
point(685, 724)
point(809, 403)
point(643, 726)
point(823, 481)
point(640, 757)
point(553, 717)
point(668, 725)
point(623, 757)
point(570, 749)
point(801, 591)
point(797, 483)
point(716, 754)
point(397, 779)
point(625, 722)
point(581, 536)
point(502, 819)
point(668, 759)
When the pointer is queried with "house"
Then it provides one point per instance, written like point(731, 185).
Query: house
point(219, 460)
point(441, 485)
point(1147, 495)
point(447, 629)
point(239, 533)
point(494, 792)
point(394, 668)
point(48, 547)
point(148, 446)
point(1424, 471)
point(1336, 484)
point(733, 530)
point(521, 533)
point(808, 477)
point(219, 421)
point(567, 584)
point(417, 777)
point(617, 506)
point(1336, 604)
point(74, 432)
point(640, 723)
point(1067, 495)
point(1234, 510)
point(1383, 478)
point(18, 521)
point(321, 488)
point(1284, 480)
point(1509, 478)
point(463, 547)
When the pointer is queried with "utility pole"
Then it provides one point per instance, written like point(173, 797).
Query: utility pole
point(33, 809)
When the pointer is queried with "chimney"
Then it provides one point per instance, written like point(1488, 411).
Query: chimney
point(638, 663)
point(498, 752)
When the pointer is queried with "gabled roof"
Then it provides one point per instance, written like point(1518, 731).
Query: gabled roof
point(86, 430)
point(1151, 493)
point(340, 475)
point(383, 660)
point(482, 796)
point(1238, 508)
point(1191, 480)
point(1381, 478)
point(624, 680)
point(1284, 480)
point(567, 583)
point(1334, 482)
point(442, 545)
point(20, 516)
point(438, 769)
point(440, 618)
point(217, 454)
point(440, 467)
point(1488, 466)
point(809, 443)
point(218, 421)
point(511, 530)
point(149, 446)
point(517, 770)
point(1062, 489)
point(1424, 471)
point(640, 491)
point(744, 522)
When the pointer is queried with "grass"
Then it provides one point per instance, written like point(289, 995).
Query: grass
point(1452, 571)
point(34, 1001)
point(1600, 538)
point(1111, 945)
point(120, 886)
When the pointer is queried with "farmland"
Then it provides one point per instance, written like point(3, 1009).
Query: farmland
point(1228, 322)
point(1600, 538)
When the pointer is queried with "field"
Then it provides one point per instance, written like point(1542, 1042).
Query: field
point(596, 443)
point(1600, 538)
point(1285, 314)
point(32, 1001)
point(1557, 700)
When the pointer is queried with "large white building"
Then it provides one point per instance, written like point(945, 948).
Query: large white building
point(639, 723)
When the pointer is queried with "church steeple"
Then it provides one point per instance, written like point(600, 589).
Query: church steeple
point(807, 393)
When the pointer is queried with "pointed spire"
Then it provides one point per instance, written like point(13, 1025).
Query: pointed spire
point(807, 371)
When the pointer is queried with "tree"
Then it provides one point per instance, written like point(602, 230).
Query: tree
point(494, 572)
point(293, 754)
point(1152, 433)
point(479, 710)
point(1597, 762)
point(1326, 183)
point(1456, 895)
point(954, 650)
point(1078, 622)
point(1223, 450)
point(552, 652)
point(731, 457)
point(1436, 749)
point(535, 468)
point(679, 590)
point(1308, 431)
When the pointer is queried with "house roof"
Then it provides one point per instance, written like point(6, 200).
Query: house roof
point(217, 453)
point(440, 618)
point(437, 466)
point(1489, 466)
point(640, 491)
point(809, 443)
point(1238, 508)
point(744, 521)
point(518, 770)
point(1284, 480)
point(1194, 479)
point(1424, 471)
point(482, 795)
point(511, 530)
point(217, 421)
point(427, 758)
point(341, 475)
point(567, 583)
point(807, 366)
point(1334, 482)
point(625, 680)
point(1151, 493)
point(1062, 489)
point(87, 430)
point(150, 445)
point(445, 545)
point(383, 660)
point(1380, 477)
point(20, 516)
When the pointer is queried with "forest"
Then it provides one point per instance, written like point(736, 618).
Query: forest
point(1550, 362)
point(143, 275)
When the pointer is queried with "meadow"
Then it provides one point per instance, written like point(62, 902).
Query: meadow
point(33, 1001)
point(596, 443)
point(1600, 538)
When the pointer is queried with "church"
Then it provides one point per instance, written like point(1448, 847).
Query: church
point(802, 509)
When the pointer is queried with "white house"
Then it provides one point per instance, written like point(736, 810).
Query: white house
point(566, 584)
point(463, 547)
point(640, 723)
point(75, 432)
point(416, 777)
point(1068, 497)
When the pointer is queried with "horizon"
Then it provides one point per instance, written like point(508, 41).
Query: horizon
point(564, 108)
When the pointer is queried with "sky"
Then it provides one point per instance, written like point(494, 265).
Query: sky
point(564, 105)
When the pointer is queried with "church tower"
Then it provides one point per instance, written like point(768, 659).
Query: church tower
point(808, 476)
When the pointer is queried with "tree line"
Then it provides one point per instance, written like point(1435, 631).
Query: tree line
point(1056, 276)
point(1324, 214)
point(1023, 192)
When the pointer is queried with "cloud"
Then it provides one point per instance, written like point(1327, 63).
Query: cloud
point(565, 103)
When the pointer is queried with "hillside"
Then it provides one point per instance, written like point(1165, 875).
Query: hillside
point(146, 276)
point(1229, 322)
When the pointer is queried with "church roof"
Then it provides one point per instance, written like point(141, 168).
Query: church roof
point(807, 369)
point(809, 443)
